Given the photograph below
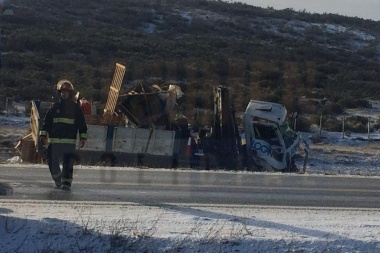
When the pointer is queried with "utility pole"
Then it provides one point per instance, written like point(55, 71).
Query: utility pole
point(1, 13)
point(8, 101)
point(0, 48)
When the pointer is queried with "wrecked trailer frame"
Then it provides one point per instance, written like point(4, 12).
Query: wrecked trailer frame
point(154, 134)
point(153, 138)
point(140, 137)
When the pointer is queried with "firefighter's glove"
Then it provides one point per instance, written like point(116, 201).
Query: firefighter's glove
point(43, 140)
point(82, 142)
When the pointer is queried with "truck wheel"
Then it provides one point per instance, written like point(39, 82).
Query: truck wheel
point(252, 165)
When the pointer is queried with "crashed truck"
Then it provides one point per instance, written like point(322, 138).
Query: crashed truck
point(271, 143)
point(142, 128)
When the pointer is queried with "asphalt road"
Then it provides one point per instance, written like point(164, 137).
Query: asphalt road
point(150, 186)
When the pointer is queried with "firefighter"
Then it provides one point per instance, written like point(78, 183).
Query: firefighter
point(60, 127)
point(85, 106)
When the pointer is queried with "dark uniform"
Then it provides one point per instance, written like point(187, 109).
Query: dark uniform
point(61, 125)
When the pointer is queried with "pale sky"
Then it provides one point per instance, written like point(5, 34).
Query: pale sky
point(367, 9)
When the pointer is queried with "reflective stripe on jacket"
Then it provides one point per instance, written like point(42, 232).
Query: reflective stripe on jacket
point(63, 121)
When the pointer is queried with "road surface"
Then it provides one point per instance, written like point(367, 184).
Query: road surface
point(156, 186)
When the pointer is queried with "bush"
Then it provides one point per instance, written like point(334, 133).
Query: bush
point(309, 106)
point(303, 124)
point(332, 125)
point(355, 120)
point(332, 108)
point(314, 119)
point(356, 124)
point(354, 103)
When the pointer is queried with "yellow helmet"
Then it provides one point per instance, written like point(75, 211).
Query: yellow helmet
point(65, 85)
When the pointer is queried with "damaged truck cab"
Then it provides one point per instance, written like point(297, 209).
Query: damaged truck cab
point(271, 144)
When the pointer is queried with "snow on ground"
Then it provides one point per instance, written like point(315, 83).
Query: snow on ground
point(46, 226)
point(58, 226)
point(353, 154)
point(330, 153)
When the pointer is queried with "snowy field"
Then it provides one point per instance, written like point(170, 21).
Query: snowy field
point(331, 154)
point(57, 226)
point(47, 226)
point(355, 154)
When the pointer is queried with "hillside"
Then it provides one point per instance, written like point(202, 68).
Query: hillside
point(280, 56)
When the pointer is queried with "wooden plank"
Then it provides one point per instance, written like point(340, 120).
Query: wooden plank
point(114, 89)
point(113, 94)
point(35, 123)
point(36, 118)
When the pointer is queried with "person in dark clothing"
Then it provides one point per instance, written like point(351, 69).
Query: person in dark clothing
point(60, 127)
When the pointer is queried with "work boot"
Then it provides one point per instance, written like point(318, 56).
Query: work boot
point(58, 184)
point(66, 187)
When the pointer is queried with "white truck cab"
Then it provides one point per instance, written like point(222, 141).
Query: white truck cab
point(271, 144)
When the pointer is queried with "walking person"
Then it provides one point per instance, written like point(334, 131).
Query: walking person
point(60, 127)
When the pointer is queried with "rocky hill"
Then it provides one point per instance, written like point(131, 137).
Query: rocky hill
point(280, 56)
